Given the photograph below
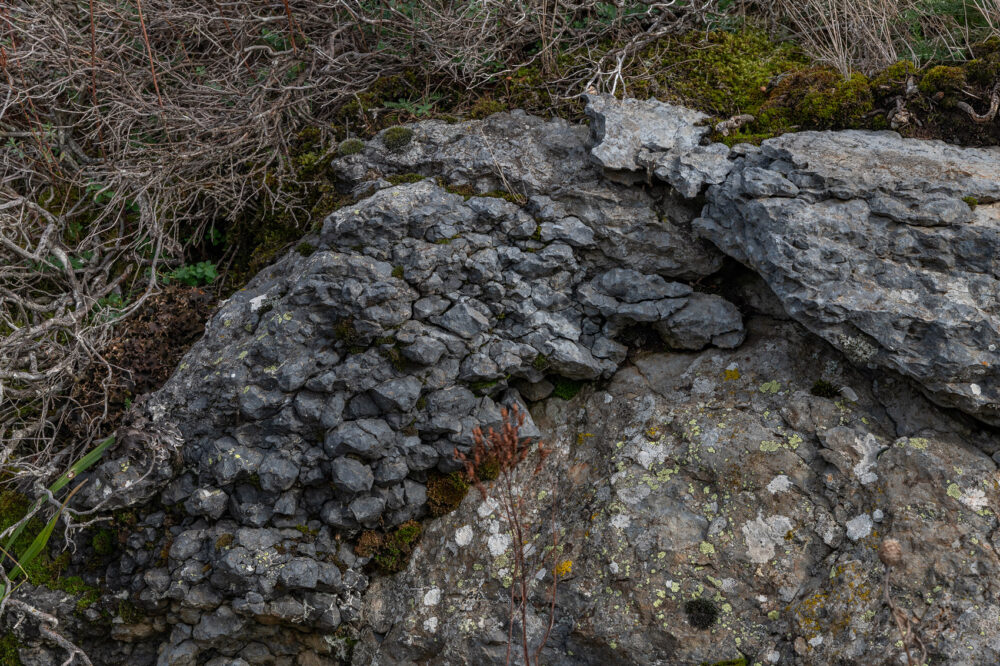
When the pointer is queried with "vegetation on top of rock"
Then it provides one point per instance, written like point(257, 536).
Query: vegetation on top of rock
point(397, 138)
point(445, 492)
point(824, 389)
point(390, 552)
point(701, 613)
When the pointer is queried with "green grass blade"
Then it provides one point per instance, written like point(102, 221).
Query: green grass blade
point(80, 466)
point(37, 545)
point(83, 464)
point(43, 538)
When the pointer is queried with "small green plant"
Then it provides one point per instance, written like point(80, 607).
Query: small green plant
point(971, 201)
point(305, 249)
point(417, 108)
point(397, 138)
point(194, 275)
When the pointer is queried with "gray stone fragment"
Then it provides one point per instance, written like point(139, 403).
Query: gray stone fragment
point(463, 320)
point(366, 510)
point(424, 350)
point(351, 476)
point(570, 230)
point(219, 624)
point(277, 472)
point(299, 573)
point(399, 394)
point(691, 170)
point(208, 502)
point(631, 286)
point(705, 319)
point(622, 128)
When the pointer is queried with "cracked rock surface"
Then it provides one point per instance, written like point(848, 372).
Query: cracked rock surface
point(330, 394)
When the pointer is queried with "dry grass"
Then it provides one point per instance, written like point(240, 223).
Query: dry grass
point(869, 35)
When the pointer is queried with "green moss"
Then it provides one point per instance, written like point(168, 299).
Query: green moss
point(9, 651)
point(824, 389)
point(701, 613)
point(722, 73)
point(397, 138)
point(390, 552)
point(224, 541)
point(971, 201)
point(566, 389)
point(305, 249)
point(129, 613)
point(894, 76)
point(480, 387)
point(350, 147)
point(445, 492)
point(42, 570)
point(739, 661)
point(304, 529)
point(832, 101)
point(404, 178)
point(344, 331)
point(103, 542)
point(397, 272)
point(942, 79)
point(488, 470)
point(486, 106)
point(540, 363)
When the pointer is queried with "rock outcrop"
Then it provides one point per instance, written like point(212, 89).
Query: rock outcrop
point(484, 263)
point(888, 248)
point(718, 476)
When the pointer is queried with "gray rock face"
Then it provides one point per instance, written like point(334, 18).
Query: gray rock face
point(624, 130)
point(328, 394)
point(718, 476)
point(866, 240)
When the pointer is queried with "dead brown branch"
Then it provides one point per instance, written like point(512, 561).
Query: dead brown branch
point(516, 489)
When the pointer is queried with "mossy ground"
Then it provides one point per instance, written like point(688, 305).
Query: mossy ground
point(9, 651)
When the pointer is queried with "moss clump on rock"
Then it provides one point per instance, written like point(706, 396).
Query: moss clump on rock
point(445, 492)
point(404, 178)
point(103, 542)
point(397, 138)
point(701, 613)
point(942, 79)
point(566, 389)
point(942, 83)
point(350, 147)
point(9, 654)
point(390, 552)
point(824, 389)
